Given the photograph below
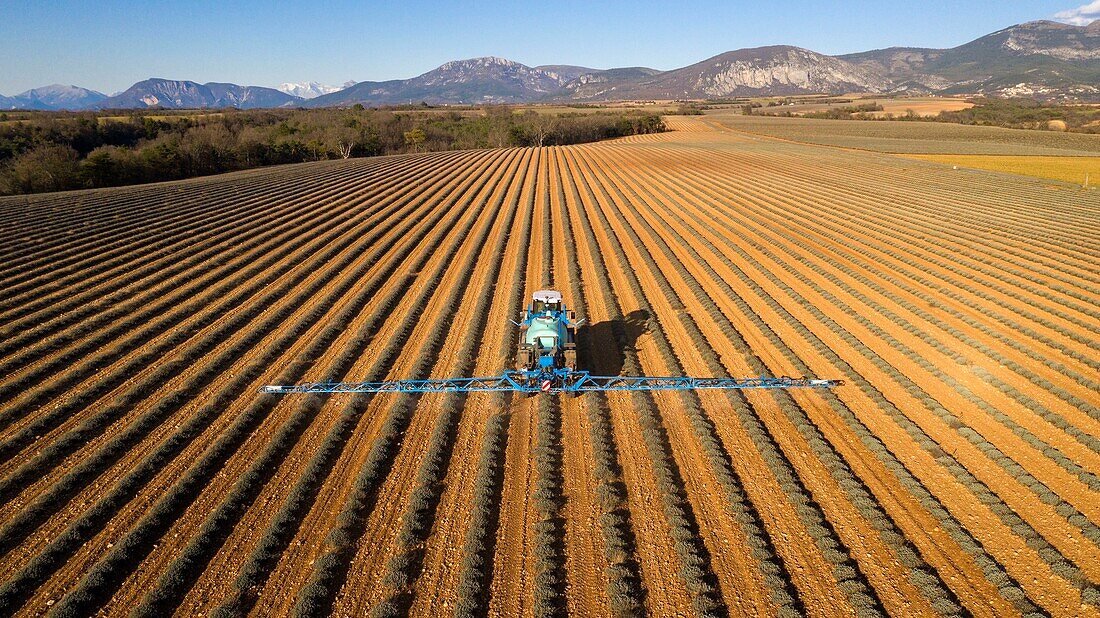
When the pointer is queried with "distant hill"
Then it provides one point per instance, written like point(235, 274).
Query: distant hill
point(565, 72)
point(309, 90)
point(775, 70)
point(477, 80)
point(1043, 38)
point(1041, 59)
point(904, 67)
point(57, 96)
point(1045, 59)
point(1036, 58)
point(606, 84)
point(179, 94)
point(158, 92)
point(248, 97)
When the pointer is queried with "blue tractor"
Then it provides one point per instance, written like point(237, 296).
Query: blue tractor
point(546, 362)
point(548, 335)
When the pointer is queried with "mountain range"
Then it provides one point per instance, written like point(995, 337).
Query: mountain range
point(1033, 59)
point(1039, 59)
point(309, 90)
point(53, 97)
point(176, 94)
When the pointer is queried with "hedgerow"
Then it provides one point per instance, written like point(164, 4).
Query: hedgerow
point(55, 152)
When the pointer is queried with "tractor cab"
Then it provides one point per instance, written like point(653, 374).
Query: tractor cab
point(546, 301)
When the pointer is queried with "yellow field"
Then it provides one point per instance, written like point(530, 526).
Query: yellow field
point(1069, 169)
point(921, 107)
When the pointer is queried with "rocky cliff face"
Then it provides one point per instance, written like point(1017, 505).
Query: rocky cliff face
point(1048, 38)
point(161, 92)
point(606, 84)
point(903, 67)
point(489, 70)
point(1043, 59)
point(1038, 59)
point(565, 73)
point(782, 70)
point(777, 70)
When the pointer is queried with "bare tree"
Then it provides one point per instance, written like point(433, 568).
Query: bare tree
point(542, 127)
point(342, 139)
point(498, 134)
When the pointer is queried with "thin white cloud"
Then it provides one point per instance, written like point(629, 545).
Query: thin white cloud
point(1082, 15)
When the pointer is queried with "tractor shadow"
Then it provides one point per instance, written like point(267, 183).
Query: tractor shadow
point(602, 347)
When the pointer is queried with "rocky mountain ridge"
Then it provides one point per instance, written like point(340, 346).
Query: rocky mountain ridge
point(309, 90)
point(179, 94)
point(1038, 59)
point(773, 70)
point(53, 97)
point(477, 80)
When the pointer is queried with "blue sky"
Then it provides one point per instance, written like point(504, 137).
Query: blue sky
point(109, 44)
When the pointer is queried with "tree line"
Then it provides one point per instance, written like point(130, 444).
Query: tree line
point(1027, 114)
point(61, 151)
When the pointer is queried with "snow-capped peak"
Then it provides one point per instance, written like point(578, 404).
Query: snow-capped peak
point(308, 90)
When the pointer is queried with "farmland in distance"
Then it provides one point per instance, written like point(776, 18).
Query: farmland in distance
point(954, 473)
point(916, 137)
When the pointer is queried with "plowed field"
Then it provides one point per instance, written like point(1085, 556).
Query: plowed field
point(956, 472)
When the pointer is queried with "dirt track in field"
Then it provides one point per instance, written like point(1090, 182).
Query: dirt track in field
point(956, 471)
